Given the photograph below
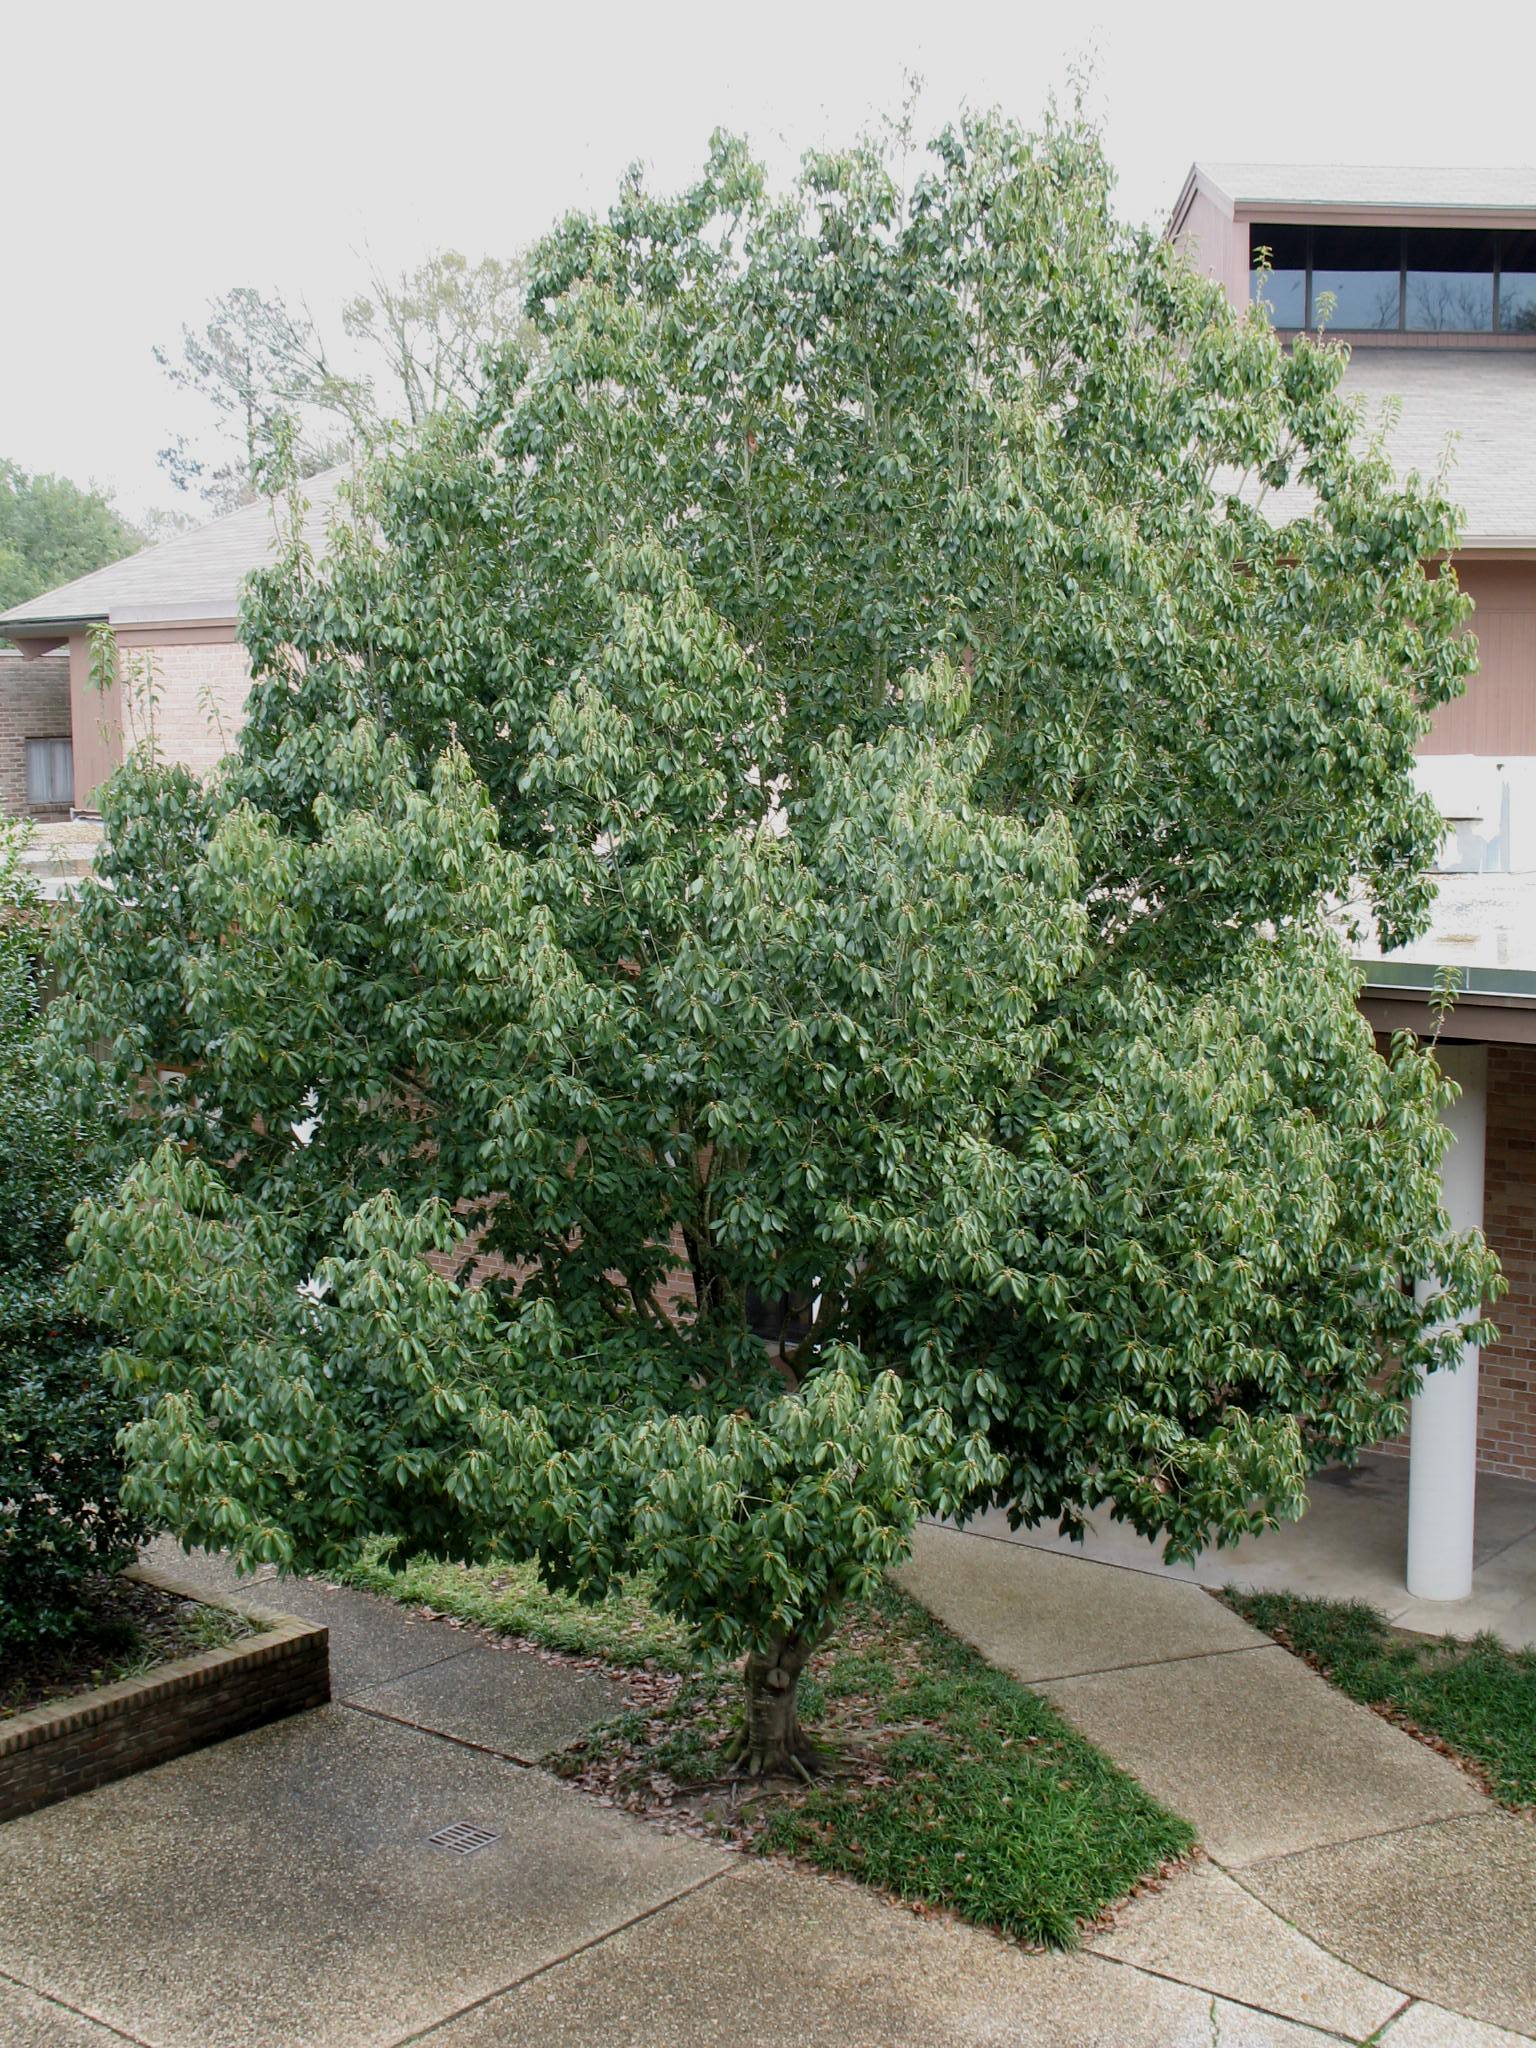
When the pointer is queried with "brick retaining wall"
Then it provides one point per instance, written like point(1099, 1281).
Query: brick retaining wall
point(95, 1737)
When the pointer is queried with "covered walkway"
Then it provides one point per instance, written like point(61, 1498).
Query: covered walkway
point(1350, 1545)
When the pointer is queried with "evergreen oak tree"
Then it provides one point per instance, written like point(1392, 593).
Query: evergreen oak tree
point(825, 784)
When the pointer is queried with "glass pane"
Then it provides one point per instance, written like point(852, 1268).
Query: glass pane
point(50, 772)
point(1284, 290)
point(1450, 281)
point(1361, 268)
point(1517, 284)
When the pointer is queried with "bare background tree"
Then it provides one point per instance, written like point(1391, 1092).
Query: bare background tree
point(399, 350)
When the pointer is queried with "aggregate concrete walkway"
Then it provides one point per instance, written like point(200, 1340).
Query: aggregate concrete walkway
point(280, 1891)
point(1351, 1544)
point(1349, 1863)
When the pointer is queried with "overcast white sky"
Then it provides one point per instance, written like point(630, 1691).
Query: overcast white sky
point(156, 154)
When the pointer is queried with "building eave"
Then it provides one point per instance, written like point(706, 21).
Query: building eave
point(50, 629)
point(1333, 213)
point(1471, 984)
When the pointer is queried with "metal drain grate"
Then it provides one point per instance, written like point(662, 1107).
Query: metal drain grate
point(464, 1838)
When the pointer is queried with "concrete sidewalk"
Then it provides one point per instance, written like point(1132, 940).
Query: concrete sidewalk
point(1351, 1544)
point(1324, 1824)
point(282, 1890)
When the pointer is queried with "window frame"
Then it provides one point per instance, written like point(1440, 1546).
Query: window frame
point(1257, 229)
point(48, 743)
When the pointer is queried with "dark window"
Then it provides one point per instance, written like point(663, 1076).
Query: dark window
point(50, 772)
point(780, 1319)
point(1362, 270)
point(1284, 288)
point(1450, 280)
point(1517, 283)
point(1427, 280)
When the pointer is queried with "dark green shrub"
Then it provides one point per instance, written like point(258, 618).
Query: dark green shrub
point(62, 1524)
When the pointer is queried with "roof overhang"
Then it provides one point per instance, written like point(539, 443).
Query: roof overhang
point(1248, 205)
point(49, 629)
point(1493, 1005)
point(1395, 216)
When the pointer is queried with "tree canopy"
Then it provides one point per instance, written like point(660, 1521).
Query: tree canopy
point(402, 348)
point(52, 531)
point(823, 784)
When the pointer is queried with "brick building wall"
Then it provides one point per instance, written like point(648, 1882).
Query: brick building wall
point(1506, 1388)
point(200, 689)
point(1506, 1431)
point(34, 705)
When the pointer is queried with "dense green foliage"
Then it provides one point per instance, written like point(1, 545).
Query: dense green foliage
point(1479, 1697)
point(822, 776)
point(52, 531)
point(62, 1523)
point(958, 1786)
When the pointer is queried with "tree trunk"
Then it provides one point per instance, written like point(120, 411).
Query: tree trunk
point(773, 1740)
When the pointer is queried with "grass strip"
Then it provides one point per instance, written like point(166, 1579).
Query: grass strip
point(512, 1600)
point(951, 1785)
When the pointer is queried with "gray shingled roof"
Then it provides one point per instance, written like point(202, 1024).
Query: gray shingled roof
point(1470, 410)
point(1460, 187)
point(195, 576)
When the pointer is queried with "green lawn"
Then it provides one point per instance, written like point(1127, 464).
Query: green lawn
point(951, 1785)
point(982, 1798)
point(1477, 1697)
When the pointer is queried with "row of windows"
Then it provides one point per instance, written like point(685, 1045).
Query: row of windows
point(1408, 280)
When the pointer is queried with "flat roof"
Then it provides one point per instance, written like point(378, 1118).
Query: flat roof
point(1483, 927)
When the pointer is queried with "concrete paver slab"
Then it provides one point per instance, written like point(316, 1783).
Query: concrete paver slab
point(504, 1700)
point(1203, 1928)
point(1503, 1600)
point(1445, 1912)
point(280, 1890)
point(1042, 1616)
point(27, 2021)
point(1262, 1755)
point(1431, 2026)
point(1349, 1545)
point(210, 1568)
point(371, 1639)
point(771, 1958)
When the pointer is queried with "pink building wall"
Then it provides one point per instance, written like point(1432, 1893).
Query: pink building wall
point(1497, 715)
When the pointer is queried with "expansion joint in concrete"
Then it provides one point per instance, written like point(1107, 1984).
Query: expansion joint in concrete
point(80, 2012)
point(543, 1969)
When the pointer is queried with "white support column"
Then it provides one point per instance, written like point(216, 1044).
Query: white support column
point(1442, 1469)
